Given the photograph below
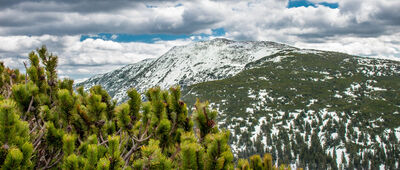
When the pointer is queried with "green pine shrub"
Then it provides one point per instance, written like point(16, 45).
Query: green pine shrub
point(46, 124)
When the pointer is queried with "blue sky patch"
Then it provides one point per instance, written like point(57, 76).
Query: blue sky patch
point(330, 5)
point(151, 6)
point(151, 38)
point(305, 3)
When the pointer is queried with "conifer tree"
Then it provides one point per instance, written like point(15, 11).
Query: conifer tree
point(152, 158)
point(219, 155)
point(267, 162)
point(114, 153)
point(192, 153)
point(50, 63)
point(204, 119)
point(71, 160)
point(255, 162)
point(36, 72)
point(243, 164)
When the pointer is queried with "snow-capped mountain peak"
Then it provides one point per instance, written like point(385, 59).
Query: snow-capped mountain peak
point(186, 65)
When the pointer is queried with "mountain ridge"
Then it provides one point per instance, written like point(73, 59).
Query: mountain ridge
point(201, 61)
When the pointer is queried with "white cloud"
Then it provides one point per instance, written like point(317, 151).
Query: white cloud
point(380, 47)
point(360, 27)
point(84, 58)
point(114, 36)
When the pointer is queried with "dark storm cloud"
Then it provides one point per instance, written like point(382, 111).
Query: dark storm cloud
point(57, 17)
point(13, 20)
point(83, 6)
point(93, 16)
point(383, 20)
point(364, 19)
point(389, 17)
point(365, 29)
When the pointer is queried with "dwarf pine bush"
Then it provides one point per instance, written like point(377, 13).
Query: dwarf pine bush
point(46, 124)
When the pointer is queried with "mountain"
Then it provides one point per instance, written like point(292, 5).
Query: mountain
point(185, 65)
point(309, 108)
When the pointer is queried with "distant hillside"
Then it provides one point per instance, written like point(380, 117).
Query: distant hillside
point(311, 109)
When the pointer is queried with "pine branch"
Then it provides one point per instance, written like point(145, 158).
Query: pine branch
point(174, 125)
point(58, 156)
point(9, 87)
point(147, 128)
point(211, 122)
point(26, 73)
point(138, 141)
point(142, 139)
point(131, 151)
point(38, 140)
point(33, 129)
point(104, 142)
point(178, 149)
point(30, 106)
point(119, 132)
point(84, 116)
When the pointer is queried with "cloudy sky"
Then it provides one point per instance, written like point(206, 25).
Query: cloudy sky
point(95, 36)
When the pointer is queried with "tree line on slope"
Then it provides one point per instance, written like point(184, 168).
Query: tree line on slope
point(46, 124)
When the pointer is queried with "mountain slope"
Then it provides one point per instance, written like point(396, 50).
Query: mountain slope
point(322, 109)
point(308, 108)
point(186, 65)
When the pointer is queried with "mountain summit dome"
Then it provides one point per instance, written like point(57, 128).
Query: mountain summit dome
point(186, 65)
